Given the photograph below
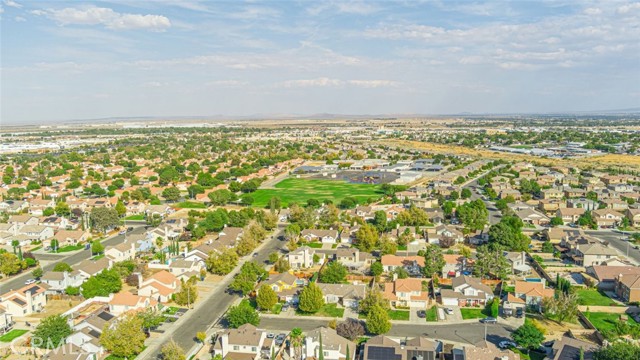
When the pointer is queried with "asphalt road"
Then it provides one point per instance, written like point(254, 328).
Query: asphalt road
point(617, 241)
point(212, 308)
point(494, 214)
point(470, 333)
point(71, 259)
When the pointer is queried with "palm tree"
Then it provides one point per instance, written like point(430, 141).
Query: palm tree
point(296, 340)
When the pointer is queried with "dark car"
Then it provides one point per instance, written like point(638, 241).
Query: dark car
point(489, 320)
point(519, 312)
point(280, 339)
point(422, 314)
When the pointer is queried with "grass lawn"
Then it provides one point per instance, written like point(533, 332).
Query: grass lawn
point(533, 355)
point(301, 190)
point(593, 297)
point(328, 310)
point(172, 310)
point(432, 314)
point(190, 205)
point(135, 217)
point(474, 313)
point(398, 314)
point(315, 245)
point(605, 321)
point(508, 289)
point(13, 334)
point(70, 248)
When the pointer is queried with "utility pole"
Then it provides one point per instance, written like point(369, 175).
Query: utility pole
point(485, 331)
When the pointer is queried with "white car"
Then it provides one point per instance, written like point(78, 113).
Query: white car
point(30, 281)
point(506, 344)
point(449, 311)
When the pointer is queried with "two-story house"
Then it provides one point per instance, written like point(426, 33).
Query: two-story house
point(159, 286)
point(408, 292)
point(412, 264)
point(607, 218)
point(24, 301)
point(323, 236)
point(627, 287)
point(532, 292)
point(385, 348)
point(325, 343)
point(125, 301)
point(59, 281)
point(285, 285)
point(466, 291)
point(303, 258)
point(245, 342)
point(121, 252)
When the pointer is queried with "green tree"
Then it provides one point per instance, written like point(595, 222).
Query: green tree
point(120, 208)
point(508, 234)
point(105, 283)
point(220, 197)
point(618, 350)
point(333, 273)
point(434, 261)
point(150, 318)
point(37, 273)
point(51, 332)
point(62, 209)
point(528, 336)
point(378, 320)
point(242, 314)
point(10, 264)
point(491, 261)
point(374, 297)
point(222, 263)
point(266, 297)
point(311, 298)
point(97, 247)
point(376, 268)
point(48, 211)
point(61, 267)
point(188, 293)
point(273, 257)
point(495, 307)
point(103, 218)
point(171, 193)
point(282, 265)
point(124, 337)
point(366, 238)
point(250, 273)
point(172, 351)
point(563, 307)
point(474, 215)
point(465, 193)
point(556, 221)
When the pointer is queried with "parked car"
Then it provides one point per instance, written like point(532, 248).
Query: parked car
point(280, 339)
point(30, 281)
point(506, 344)
point(489, 320)
point(449, 311)
point(285, 307)
point(270, 336)
point(130, 228)
point(519, 312)
point(422, 314)
point(122, 232)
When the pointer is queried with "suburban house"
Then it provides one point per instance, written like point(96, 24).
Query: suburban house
point(407, 292)
point(159, 286)
point(634, 216)
point(533, 217)
point(385, 348)
point(532, 292)
point(348, 295)
point(607, 218)
point(89, 268)
point(569, 348)
point(627, 287)
point(184, 269)
point(121, 252)
point(446, 235)
point(245, 342)
point(353, 258)
point(6, 321)
point(57, 282)
point(412, 264)
point(454, 265)
point(125, 301)
point(302, 258)
point(593, 253)
point(68, 237)
point(36, 232)
point(570, 215)
point(24, 301)
point(518, 261)
point(486, 351)
point(285, 285)
point(552, 194)
point(466, 291)
point(332, 345)
point(606, 275)
point(323, 236)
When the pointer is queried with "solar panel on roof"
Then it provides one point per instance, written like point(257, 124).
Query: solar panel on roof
point(382, 353)
point(32, 289)
point(19, 302)
point(105, 316)
point(94, 333)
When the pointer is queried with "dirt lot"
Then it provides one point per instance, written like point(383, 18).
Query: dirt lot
point(555, 330)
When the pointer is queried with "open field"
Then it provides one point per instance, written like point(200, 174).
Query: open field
point(300, 190)
point(620, 160)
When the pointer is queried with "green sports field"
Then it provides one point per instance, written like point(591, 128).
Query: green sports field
point(300, 190)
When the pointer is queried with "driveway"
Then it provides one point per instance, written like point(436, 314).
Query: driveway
point(456, 316)
point(413, 316)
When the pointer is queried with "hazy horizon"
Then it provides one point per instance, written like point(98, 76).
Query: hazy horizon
point(69, 60)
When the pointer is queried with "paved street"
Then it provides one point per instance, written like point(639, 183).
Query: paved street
point(209, 311)
point(465, 333)
point(617, 242)
point(494, 214)
point(71, 259)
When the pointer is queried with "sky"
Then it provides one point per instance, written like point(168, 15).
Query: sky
point(64, 60)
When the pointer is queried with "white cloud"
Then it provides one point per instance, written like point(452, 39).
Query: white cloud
point(329, 82)
point(1, 9)
point(356, 7)
point(226, 83)
point(592, 11)
point(106, 17)
point(19, 19)
point(627, 8)
point(12, 4)
point(254, 12)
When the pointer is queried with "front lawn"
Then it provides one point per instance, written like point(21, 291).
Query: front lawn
point(594, 298)
point(138, 217)
point(300, 190)
point(399, 315)
point(605, 321)
point(70, 248)
point(315, 245)
point(328, 310)
point(190, 205)
point(508, 289)
point(432, 314)
point(13, 334)
point(474, 313)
